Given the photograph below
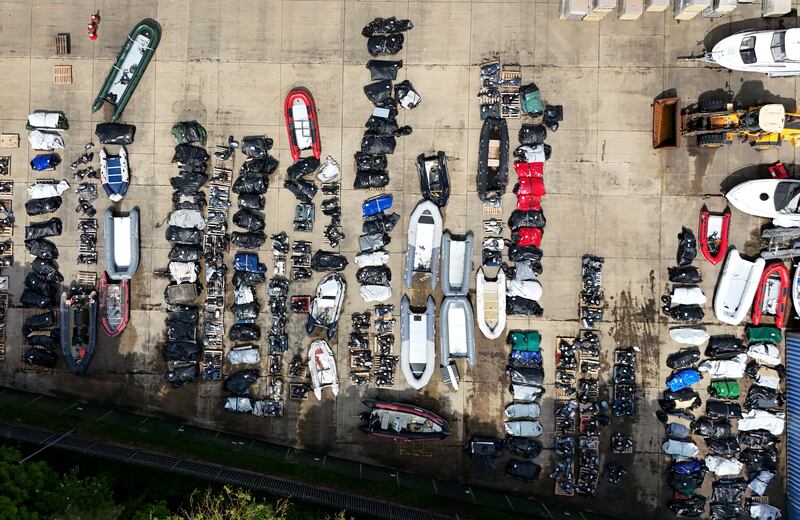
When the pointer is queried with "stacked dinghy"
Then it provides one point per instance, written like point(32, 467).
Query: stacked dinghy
point(456, 321)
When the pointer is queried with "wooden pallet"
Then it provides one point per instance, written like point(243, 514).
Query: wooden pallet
point(62, 74)
point(87, 278)
point(626, 450)
point(416, 449)
point(4, 307)
point(292, 386)
point(213, 357)
point(491, 209)
point(5, 165)
point(8, 250)
point(560, 421)
point(7, 189)
point(6, 207)
point(353, 355)
point(62, 42)
point(561, 492)
point(9, 140)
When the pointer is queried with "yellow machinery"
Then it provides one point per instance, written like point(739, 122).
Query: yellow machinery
point(718, 123)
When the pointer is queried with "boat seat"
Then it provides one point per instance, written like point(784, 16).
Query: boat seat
point(493, 160)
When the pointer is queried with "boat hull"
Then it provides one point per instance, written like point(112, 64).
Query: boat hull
point(736, 287)
point(764, 197)
point(113, 327)
point(307, 127)
point(115, 183)
point(412, 410)
point(771, 273)
point(434, 182)
point(711, 223)
point(417, 352)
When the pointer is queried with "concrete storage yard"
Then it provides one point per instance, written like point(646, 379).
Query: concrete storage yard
point(229, 64)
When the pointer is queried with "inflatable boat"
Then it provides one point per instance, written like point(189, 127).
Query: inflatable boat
point(327, 304)
point(796, 290)
point(456, 330)
point(114, 174)
point(424, 242)
point(491, 304)
point(434, 180)
point(322, 366)
point(121, 235)
point(78, 324)
point(493, 160)
point(713, 234)
point(301, 123)
point(132, 61)
point(772, 294)
point(736, 287)
point(778, 199)
point(417, 353)
point(114, 296)
point(456, 268)
point(401, 421)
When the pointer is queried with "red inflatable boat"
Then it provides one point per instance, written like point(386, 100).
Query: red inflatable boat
point(713, 234)
point(114, 299)
point(301, 123)
point(772, 294)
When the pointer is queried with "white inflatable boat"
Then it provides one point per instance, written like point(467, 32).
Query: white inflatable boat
point(121, 235)
point(322, 366)
point(417, 354)
point(736, 288)
point(491, 304)
point(424, 241)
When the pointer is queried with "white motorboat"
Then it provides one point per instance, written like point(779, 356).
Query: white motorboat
point(322, 366)
point(772, 52)
point(491, 304)
point(778, 199)
point(424, 242)
point(736, 287)
point(417, 353)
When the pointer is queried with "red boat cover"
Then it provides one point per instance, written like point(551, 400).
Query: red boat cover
point(528, 169)
point(529, 236)
point(528, 202)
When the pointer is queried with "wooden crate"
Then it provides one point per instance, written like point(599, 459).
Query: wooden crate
point(62, 74)
point(62, 42)
point(9, 140)
point(87, 278)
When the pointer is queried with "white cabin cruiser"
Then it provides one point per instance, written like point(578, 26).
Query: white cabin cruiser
point(778, 199)
point(772, 52)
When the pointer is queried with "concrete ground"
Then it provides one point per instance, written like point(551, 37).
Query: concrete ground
point(229, 64)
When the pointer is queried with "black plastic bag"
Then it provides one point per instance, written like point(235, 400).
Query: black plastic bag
point(184, 235)
point(386, 127)
point(712, 428)
point(374, 242)
point(727, 447)
point(379, 223)
point(379, 91)
point(259, 167)
point(181, 376)
point(304, 166)
point(48, 228)
point(759, 460)
point(523, 469)
point(31, 298)
point(244, 218)
point(763, 398)
point(686, 313)
point(522, 219)
point(366, 179)
point(255, 146)
point(384, 69)
point(185, 253)
point(327, 261)
point(683, 399)
point(532, 135)
point(530, 376)
point(41, 321)
point(723, 409)
point(245, 332)
point(38, 284)
point(371, 161)
point(523, 306)
point(189, 132)
point(239, 383)
point(552, 115)
point(42, 206)
point(181, 351)
point(302, 189)
point(188, 183)
point(248, 240)
point(190, 155)
point(759, 439)
point(728, 490)
point(683, 358)
point(722, 511)
point(406, 96)
point(517, 253)
point(47, 270)
point(250, 201)
point(523, 447)
point(48, 341)
point(42, 248)
point(692, 506)
point(684, 274)
point(115, 133)
point(378, 144)
point(40, 357)
point(245, 278)
point(245, 311)
point(724, 347)
point(684, 482)
point(374, 275)
point(254, 185)
point(389, 25)
point(385, 45)
point(687, 247)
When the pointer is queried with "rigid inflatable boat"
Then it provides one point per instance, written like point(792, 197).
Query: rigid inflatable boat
point(301, 123)
point(417, 353)
point(322, 366)
point(713, 234)
point(736, 287)
point(121, 235)
point(493, 160)
point(114, 174)
point(401, 421)
point(491, 304)
point(114, 296)
point(327, 304)
point(78, 323)
point(424, 242)
point(772, 294)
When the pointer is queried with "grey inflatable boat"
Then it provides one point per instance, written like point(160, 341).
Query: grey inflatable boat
point(424, 242)
point(121, 244)
point(456, 319)
point(417, 354)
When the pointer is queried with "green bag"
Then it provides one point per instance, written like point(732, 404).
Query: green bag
point(724, 389)
point(525, 340)
point(531, 100)
point(764, 334)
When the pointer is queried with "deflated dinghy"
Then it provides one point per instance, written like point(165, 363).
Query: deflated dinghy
point(327, 304)
point(402, 421)
point(778, 199)
point(121, 244)
point(322, 366)
point(493, 160)
point(417, 354)
point(424, 241)
point(114, 173)
point(736, 288)
point(491, 304)
point(78, 327)
point(456, 320)
point(434, 181)
point(772, 294)
point(114, 296)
